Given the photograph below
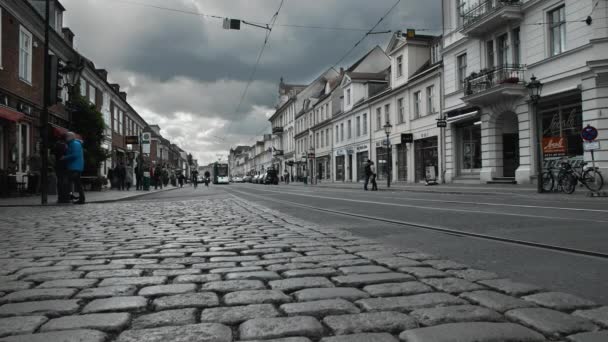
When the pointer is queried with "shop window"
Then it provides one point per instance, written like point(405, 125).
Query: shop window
point(471, 146)
point(564, 118)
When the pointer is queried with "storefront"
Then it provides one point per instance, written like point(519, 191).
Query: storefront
point(323, 168)
point(426, 159)
point(382, 162)
point(362, 158)
point(340, 167)
point(562, 123)
point(402, 162)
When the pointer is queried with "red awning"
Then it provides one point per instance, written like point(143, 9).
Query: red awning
point(10, 114)
point(59, 132)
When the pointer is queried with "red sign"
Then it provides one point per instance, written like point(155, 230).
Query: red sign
point(555, 146)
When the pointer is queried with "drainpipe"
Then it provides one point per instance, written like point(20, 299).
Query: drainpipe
point(442, 147)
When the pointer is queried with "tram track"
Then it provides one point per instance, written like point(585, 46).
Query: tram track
point(438, 229)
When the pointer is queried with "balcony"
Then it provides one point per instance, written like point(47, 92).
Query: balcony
point(498, 84)
point(278, 130)
point(489, 15)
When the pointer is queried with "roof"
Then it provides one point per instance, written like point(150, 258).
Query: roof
point(356, 64)
point(367, 76)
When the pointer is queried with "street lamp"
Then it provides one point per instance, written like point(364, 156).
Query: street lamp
point(535, 88)
point(311, 156)
point(387, 129)
point(304, 160)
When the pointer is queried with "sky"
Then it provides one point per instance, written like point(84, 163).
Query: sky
point(184, 72)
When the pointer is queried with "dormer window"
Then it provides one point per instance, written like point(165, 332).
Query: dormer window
point(348, 97)
point(400, 66)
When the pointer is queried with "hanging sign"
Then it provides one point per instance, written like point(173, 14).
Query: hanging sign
point(589, 133)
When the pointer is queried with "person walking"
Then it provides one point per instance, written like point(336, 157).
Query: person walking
point(368, 173)
point(122, 176)
point(128, 177)
point(286, 177)
point(373, 176)
point(61, 171)
point(180, 179)
point(158, 173)
point(74, 158)
point(195, 179)
point(138, 183)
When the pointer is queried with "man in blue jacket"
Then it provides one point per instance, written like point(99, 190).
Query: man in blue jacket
point(74, 158)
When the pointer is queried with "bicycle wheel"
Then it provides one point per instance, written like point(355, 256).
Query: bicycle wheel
point(568, 183)
point(548, 181)
point(593, 180)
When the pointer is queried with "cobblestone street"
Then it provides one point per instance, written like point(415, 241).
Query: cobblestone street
point(231, 270)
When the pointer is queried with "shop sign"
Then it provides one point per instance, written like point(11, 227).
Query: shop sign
point(591, 145)
point(340, 153)
point(350, 151)
point(407, 138)
point(145, 148)
point(311, 156)
point(442, 123)
point(362, 148)
point(555, 146)
point(131, 140)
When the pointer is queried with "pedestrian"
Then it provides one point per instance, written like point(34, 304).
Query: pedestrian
point(158, 173)
point(286, 177)
point(121, 173)
point(137, 177)
point(181, 179)
point(373, 170)
point(195, 179)
point(61, 171)
point(128, 177)
point(368, 173)
point(74, 158)
point(110, 176)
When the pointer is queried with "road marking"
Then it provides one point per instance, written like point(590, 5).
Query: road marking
point(477, 203)
point(433, 208)
point(529, 244)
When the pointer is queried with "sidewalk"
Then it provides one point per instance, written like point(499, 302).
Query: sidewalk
point(92, 197)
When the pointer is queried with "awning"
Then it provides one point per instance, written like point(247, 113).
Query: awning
point(462, 117)
point(10, 114)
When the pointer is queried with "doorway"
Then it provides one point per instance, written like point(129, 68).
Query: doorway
point(510, 144)
point(350, 167)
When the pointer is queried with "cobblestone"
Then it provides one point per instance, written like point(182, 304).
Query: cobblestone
point(75, 283)
point(205, 332)
point(50, 308)
point(195, 300)
point(294, 284)
point(348, 293)
point(424, 272)
point(479, 332)
point(311, 272)
point(262, 275)
point(165, 318)
point(397, 289)
point(496, 301)
point(132, 303)
point(511, 287)
point(600, 336)
point(455, 314)
point(104, 322)
point(551, 322)
point(61, 336)
point(393, 322)
point(560, 301)
point(238, 314)
point(233, 285)
point(320, 308)
point(107, 291)
point(20, 325)
point(599, 315)
point(409, 303)
point(371, 278)
point(256, 297)
point(453, 285)
point(161, 290)
point(139, 281)
point(267, 328)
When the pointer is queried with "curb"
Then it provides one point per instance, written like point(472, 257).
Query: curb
point(91, 202)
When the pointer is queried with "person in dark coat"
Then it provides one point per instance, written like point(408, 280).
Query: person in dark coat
point(61, 171)
point(158, 177)
point(74, 158)
point(122, 176)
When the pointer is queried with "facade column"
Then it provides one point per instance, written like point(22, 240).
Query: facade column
point(491, 148)
point(595, 113)
point(451, 155)
point(527, 144)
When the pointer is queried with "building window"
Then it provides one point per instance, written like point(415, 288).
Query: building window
point(417, 101)
point(490, 53)
point(462, 70)
point(83, 88)
point(317, 135)
point(503, 50)
point(430, 99)
point(25, 55)
point(342, 132)
point(350, 130)
point(91, 94)
point(387, 113)
point(348, 97)
point(327, 110)
point(378, 119)
point(327, 136)
point(401, 110)
point(337, 136)
point(358, 128)
point(557, 30)
point(516, 46)
point(365, 124)
point(400, 66)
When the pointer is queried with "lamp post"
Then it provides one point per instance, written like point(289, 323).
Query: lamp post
point(304, 160)
point(535, 88)
point(311, 155)
point(387, 129)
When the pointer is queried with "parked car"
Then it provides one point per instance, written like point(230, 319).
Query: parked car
point(247, 179)
point(237, 180)
point(271, 177)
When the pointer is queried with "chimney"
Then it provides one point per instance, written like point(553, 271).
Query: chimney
point(115, 87)
point(103, 73)
point(123, 95)
point(341, 71)
point(68, 36)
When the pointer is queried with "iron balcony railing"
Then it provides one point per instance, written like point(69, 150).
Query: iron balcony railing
point(277, 130)
point(484, 8)
point(488, 79)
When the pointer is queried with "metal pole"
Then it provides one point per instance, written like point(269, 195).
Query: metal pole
point(539, 149)
point(44, 116)
point(388, 162)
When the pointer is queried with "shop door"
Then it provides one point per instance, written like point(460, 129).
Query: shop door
point(470, 149)
point(340, 168)
point(350, 167)
point(362, 158)
point(402, 163)
point(320, 169)
point(510, 154)
point(426, 157)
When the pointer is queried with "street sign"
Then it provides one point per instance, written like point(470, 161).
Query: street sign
point(145, 138)
point(589, 133)
point(592, 145)
point(311, 156)
point(407, 138)
point(131, 140)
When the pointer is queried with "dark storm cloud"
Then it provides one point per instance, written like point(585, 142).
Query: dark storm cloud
point(179, 67)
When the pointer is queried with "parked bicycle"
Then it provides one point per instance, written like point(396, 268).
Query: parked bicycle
point(569, 177)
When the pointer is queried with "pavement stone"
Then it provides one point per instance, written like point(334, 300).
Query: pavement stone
point(236, 269)
point(445, 265)
point(510, 287)
point(49, 308)
point(233, 286)
point(371, 278)
point(320, 308)
point(560, 301)
point(471, 274)
point(397, 289)
point(600, 336)
point(204, 332)
point(138, 281)
point(238, 314)
point(453, 285)
point(599, 315)
point(196, 278)
point(195, 300)
point(551, 322)
point(107, 291)
point(165, 318)
point(387, 321)
point(131, 303)
point(20, 325)
point(409, 303)
point(455, 314)
point(60, 336)
point(478, 332)
point(261, 275)
point(363, 269)
point(15, 286)
point(75, 283)
point(294, 284)
point(163, 290)
point(255, 297)
point(496, 301)
point(311, 294)
point(396, 262)
point(110, 322)
point(424, 272)
point(267, 328)
point(366, 337)
point(41, 277)
point(311, 272)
